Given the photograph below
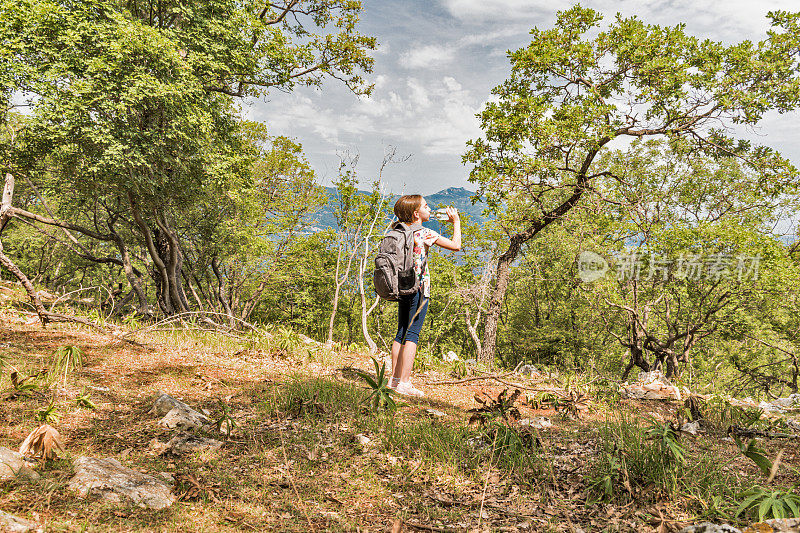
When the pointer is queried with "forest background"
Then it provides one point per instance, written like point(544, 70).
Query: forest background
point(625, 223)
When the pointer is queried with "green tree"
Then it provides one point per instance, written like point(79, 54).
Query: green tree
point(575, 90)
point(133, 106)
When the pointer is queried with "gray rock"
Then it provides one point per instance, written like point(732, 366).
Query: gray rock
point(793, 400)
point(108, 479)
point(784, 525)
point(166, 403)
point(769, 407)
point(451, 357)
point(691, 427)
point(435, 412)
point(708, 527)
point(186, 443)
point(527, 370)
point(12, 524)
point(184, 418)
point(13, 464)
point(538, 422)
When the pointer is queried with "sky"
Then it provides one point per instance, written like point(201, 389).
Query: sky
point(436, 64)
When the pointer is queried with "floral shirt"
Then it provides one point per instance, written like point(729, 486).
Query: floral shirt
point(422, 241)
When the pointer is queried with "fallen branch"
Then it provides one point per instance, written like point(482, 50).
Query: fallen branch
point(204, 317)
point(750, 433)
point(474, 378)
point(423, 527)
point(523, 387)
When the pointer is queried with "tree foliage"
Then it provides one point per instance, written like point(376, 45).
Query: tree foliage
point(578, 88)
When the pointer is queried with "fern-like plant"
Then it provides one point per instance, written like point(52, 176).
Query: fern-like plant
point(381, 395)
point(65, 360)
point(770, 503)
point(24, 384)
point(288, 341)
point(48, 415)
point(85, 400)
point(667, 438)
point(752, 451)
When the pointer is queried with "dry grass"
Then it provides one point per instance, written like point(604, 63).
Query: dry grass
point(294, 462)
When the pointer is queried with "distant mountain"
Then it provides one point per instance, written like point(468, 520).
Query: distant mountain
point(457, 197)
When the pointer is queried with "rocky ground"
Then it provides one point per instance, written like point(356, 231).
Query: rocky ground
point(201, 432)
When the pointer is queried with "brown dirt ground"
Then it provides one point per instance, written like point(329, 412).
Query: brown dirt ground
point(254, 485)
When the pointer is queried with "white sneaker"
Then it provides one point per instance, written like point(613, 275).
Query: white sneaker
point(407, 389)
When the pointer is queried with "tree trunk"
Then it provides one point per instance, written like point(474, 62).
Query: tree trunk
point(221, 295)
point(134, 278)
point(486, 354)
point(516, 242)
point(159, 268)
point(5, 208)
point(637, 359)
point(362, 267)
point(472, 327)
point(173, 259)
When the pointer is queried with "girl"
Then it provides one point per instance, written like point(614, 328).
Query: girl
point(412, 208)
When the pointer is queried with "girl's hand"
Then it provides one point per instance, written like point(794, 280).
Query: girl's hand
point(452, 213)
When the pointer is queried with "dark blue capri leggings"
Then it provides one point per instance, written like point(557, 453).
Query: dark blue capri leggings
point(407, 308)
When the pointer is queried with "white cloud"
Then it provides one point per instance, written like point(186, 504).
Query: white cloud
point(419, 94)
point(451, 84)
point(732, 19)
point(427, 57)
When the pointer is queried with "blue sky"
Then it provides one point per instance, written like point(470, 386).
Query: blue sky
point(436, 64)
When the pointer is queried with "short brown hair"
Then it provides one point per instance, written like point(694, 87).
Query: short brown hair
point(405, 206)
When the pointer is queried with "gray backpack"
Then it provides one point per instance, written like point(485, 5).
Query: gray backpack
point(394, 265)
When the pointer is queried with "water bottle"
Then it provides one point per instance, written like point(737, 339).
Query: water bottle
point(441, 214)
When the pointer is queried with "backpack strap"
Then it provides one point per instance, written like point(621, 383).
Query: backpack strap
point(410, 229)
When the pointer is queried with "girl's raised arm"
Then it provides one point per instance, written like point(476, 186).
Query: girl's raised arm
point(455, 243)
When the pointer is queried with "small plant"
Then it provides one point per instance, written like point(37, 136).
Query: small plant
point(288, 341)
point(95, 316)
point(666, 435)
point(24, 385)
point(48, 415)
point(543, 400)
point(572, 405)
point(721, 414)
point(497, 418)
point(381, 395)
point(502, 408)
point(85, 400)
point(65, 359)
point(610, 473)
point(647, 456)
point(459, 369)
point(132, 321)
point(225, 423)
point(770, 503)
point(755, 454)
point(354, 347)
point(422, 362)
